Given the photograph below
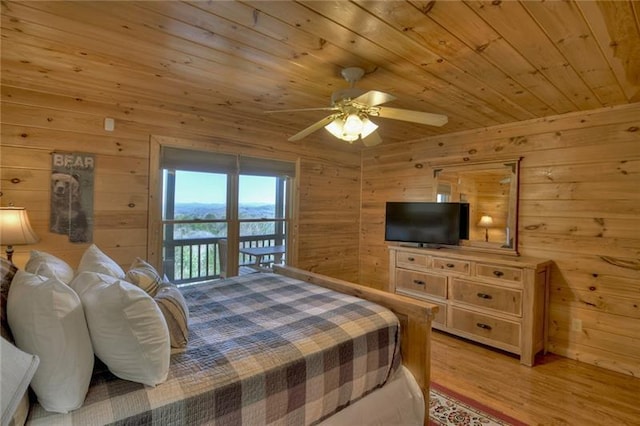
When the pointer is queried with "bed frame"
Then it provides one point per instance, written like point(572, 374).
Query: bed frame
point(415, 321)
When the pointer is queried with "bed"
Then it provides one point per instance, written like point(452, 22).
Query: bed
point(290, 347)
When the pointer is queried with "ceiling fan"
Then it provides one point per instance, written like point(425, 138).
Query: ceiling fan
point(352, 108)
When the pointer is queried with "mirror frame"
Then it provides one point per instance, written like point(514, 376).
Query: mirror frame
point(512, 208)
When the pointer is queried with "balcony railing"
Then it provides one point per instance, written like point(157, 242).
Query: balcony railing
point(198, 259)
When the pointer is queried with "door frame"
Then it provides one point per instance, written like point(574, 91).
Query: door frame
point(154, 216)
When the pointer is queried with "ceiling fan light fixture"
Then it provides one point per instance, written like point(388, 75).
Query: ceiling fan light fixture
point(353, 125)
point(339, 127)
point(351, 108)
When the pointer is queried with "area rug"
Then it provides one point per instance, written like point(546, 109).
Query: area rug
point(448, 408)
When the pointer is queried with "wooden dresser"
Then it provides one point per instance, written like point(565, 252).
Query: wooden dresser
point(497, 300)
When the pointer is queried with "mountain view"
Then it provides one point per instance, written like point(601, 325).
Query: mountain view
point(190, 211)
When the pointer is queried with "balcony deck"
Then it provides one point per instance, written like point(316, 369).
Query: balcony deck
point(194, 260)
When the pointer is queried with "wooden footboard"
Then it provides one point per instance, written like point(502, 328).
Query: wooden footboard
point(415, 320)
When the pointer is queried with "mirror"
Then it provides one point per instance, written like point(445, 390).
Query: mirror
point(491, 189)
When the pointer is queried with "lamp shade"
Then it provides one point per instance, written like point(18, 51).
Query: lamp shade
point(486, 221)
point(368, 127)
point(15, 228)
point(335, 127)
point(352, 125)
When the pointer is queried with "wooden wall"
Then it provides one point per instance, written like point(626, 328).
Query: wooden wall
point(36, 123)
point(579, 206)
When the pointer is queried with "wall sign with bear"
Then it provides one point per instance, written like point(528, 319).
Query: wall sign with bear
point(72, 196)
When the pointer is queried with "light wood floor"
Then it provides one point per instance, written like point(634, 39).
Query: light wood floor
point(556, 391)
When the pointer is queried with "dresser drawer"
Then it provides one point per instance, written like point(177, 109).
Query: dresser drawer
point(498, 330)
point(459, 266)
point(440, 317)
point(409, 259)
point(486, 296)
point(431, 284)
point(502, 273)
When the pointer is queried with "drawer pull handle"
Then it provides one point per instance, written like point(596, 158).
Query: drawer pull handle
point(411, 259)
point(450, 265)
point(498, 273)
point(483, 326)
point(419, 282)
point(484, 296)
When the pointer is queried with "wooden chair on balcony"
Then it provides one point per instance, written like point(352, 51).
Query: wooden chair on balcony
point(222, 251)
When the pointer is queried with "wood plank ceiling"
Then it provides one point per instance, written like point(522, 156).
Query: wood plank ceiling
point(480, 63)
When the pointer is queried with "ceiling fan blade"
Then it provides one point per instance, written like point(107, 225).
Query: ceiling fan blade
point(302, 109)
point(413, 116)
point(372, 140)
point(373, 98)
point(315, 126)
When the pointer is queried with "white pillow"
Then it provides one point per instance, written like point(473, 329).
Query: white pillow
point(127, 329)
point(58, 268)
point(94, 260)
point(47, 319)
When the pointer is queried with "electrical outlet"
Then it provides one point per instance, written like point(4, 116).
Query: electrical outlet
point(576, 324)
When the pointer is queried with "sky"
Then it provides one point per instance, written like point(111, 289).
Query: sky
point(194, 187)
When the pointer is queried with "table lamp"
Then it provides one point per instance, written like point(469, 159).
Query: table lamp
point(486, 222)
point(15, 228)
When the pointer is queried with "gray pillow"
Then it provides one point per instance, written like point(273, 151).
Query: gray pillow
point(16, 371)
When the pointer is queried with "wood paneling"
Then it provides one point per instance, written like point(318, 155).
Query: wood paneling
point(203, 65)
point(579, 206)
point(35, 124)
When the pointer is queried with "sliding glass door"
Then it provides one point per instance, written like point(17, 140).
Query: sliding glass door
point(222, 217)
point(261, 218)
point(194, 216)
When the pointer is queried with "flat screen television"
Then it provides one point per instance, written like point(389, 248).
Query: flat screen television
point(427, 223)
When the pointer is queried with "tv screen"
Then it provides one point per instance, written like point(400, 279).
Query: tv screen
point(427, 222)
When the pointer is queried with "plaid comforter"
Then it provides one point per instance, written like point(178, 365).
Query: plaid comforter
point(263, 349)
